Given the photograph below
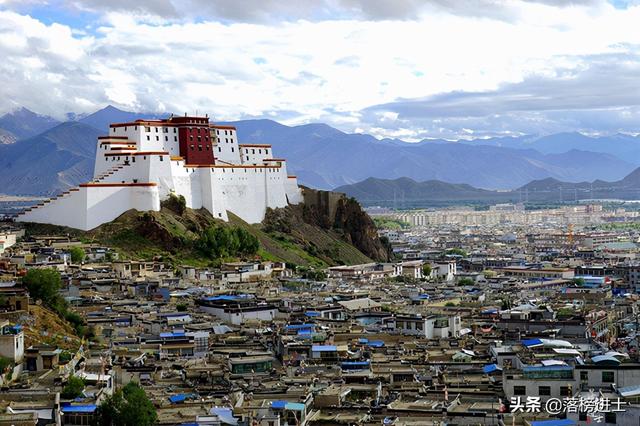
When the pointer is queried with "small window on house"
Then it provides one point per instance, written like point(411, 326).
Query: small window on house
point(519, 390)
point(584, 376)
point(148, 138)
point(175, 139)
point(157, 138)
point(544, 390)
point(199, 147)
point(166, 138)
point(161, 158)
point(147, 129)
point(607, 377)
point(156, 129)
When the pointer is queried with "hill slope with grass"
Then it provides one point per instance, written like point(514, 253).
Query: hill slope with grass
point(328, 229)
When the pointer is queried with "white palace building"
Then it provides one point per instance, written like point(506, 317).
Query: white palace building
point(141, 163)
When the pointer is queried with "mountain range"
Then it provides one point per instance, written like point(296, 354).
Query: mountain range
point(407, 193)
point(41, 155)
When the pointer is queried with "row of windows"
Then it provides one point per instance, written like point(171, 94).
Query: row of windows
point(253, 151)
point(230, 132)
point(147, 129)
point(133, 158)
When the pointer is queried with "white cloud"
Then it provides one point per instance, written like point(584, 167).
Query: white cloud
point(319, 69)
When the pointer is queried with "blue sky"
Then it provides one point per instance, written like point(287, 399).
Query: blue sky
point(410, 69)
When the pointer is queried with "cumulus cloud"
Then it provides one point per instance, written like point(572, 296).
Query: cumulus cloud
point(312, 10)
point(441, 72)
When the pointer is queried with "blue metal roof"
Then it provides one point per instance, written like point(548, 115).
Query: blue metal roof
point(605, 359)
point(532, 342)
point(324, 348)
point(181, 397)
point(299, 326)
point(562, 422)
point(376, 343)
point(355, 363)
point(173, 334)
point(490, 368)
point(294, 406)
point(312, 314)
point(79, 408)
point(278, 405)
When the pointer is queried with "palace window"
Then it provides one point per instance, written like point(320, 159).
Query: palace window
point(147, 129)
point(157, 138)
point(148, 137)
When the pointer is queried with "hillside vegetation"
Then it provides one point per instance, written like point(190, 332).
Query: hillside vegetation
point(298, 235)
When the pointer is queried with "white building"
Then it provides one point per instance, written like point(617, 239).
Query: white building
point(143, 162)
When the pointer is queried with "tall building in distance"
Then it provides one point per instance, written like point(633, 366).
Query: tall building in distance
point(143, 162)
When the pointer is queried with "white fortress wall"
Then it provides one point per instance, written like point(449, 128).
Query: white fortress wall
point(67, 210)
point(105, 202)
point(212, 196)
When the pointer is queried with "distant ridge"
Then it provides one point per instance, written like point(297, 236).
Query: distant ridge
point(51, 162)
point(407, 193)
point(23, 123)
point(110, 114)
point(324, 157)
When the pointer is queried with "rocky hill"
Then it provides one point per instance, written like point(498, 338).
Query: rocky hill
point(328, 229)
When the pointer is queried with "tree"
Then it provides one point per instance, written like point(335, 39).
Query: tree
point(223, 241)
point(73, 388)
point(465, 281)
point(129, 406)
point(457, 252)
point(426, 270)
point(44, 284)
point(77, 254)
